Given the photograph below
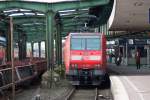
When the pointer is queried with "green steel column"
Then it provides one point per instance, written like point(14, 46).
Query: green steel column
point(32, 43)
point(19, 45)
point(39, 43)
point(106, 29)
point(58, 45)
point(22, 45)
point(49, 39)
point(99, 28)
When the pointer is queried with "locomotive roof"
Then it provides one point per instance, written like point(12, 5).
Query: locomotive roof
point(85, 33)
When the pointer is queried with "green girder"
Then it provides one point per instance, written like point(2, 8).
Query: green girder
point(29, 20)
point(79, 4)
point(44, 7)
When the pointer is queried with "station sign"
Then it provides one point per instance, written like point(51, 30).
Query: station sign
point(130, 41)
point(140, 41)
point(148, 41)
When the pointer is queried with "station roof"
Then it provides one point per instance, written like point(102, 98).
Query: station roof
point(46, 1)
point(32, 21)
point(50, 1)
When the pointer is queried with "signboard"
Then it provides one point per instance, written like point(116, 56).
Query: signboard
point(140, 41)
point(148, 41)
point(130, 41)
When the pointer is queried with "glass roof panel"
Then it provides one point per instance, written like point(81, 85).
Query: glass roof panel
point(40, 14)
point(29, 13)
point(24, 10)
point(21, 12)
point(17, 14)
point(67, 11)
point(12, 10)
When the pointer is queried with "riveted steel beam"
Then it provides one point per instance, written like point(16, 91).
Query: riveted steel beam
point(78, 4)
point(44, 7)
point(74, 24)
point(41, 7)
point(29, 17)
point(73, 15)
point(35, 38)
point(32, 20)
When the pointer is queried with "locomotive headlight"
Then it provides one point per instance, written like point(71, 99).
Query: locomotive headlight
point(76, 57)
point(95, 57)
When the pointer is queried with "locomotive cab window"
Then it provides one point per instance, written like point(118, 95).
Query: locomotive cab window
point(85, 43)
point(93, 44)
point(77, 44)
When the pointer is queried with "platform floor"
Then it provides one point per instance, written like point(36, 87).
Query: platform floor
point(128, 83)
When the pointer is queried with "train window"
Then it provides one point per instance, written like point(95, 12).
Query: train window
point(36, 49)
point(42, 49)
point(77, 44)
point(28, 49)
point(93, 44)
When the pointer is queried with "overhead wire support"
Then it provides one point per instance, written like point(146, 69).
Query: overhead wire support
point(12, 59)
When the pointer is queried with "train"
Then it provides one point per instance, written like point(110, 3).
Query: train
point(85, 59)
point(26, 70)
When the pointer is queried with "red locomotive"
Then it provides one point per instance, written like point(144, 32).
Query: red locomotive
point(85, 58)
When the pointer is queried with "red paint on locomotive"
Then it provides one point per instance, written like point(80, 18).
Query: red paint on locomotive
point(85, 58)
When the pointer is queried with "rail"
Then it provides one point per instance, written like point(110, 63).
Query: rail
point(96, 94)
point(70, 94)
point(85, 94)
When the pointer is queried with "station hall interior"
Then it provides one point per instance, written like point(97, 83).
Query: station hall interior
point(33, 33)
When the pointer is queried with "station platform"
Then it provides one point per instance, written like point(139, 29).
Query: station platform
point(128, 83)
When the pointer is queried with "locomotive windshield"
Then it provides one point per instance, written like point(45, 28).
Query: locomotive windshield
point(85, 43)
point(77, 44)
point(93, 44)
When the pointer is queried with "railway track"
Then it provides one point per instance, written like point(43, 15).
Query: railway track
point(83, 94)
point(89, 94)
